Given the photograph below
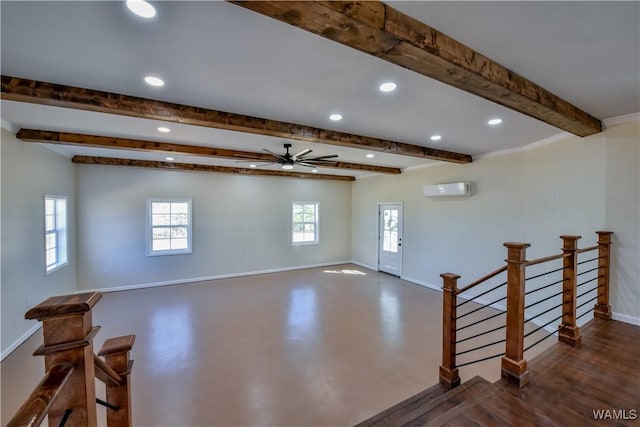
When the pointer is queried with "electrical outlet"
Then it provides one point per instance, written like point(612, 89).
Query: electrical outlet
point(555, 194)
point(106, 270)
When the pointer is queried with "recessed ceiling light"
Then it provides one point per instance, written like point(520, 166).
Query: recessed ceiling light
point(314, 170)
point(164, 129)
point(154, 81)
point(141, 8)
point(287, 166)
point(252, 166)
point(370, 156)
point(494, 122)
point(336, 117)
point(436, 137)
point(388, 87)
point(169, 159)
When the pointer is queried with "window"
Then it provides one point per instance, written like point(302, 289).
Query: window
point(305, 223)
point(169, 227)
point(55, 232)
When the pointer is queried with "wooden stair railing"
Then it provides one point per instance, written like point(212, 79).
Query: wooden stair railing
point(67, 395)
point(35, 409)
point(513, 365)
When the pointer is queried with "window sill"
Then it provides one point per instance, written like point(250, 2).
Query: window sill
point(163, 253)
point(304, 243)
point(55, 268)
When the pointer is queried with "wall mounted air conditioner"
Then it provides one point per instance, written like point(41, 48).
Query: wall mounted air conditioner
point(448, 190)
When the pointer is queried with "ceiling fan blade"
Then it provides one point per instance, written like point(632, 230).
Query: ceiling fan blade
point(331, 156)
point(302, 153)
point(309, 165)
point(277, 156)
point(266, 164)
point(250, 161)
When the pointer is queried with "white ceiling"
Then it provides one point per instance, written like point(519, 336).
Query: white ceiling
point(220, 56)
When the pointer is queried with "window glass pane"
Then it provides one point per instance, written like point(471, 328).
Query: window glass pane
point(393, 242)
point(161, 219)
point(160, 207)
point(49, 222)
point(51, 257)
point(50, 241)
point(161, 233)
point(162, 245)
point(309, 227)
point(49, 206)
point(179, 219)
point(180, 208)
point(309, 213)
point(177, 244)
point(178, 232)
point(297, 213)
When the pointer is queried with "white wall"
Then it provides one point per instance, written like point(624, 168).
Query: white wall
point(574, 186)
point(240, 224)
point(623, 217)
point(29, 172)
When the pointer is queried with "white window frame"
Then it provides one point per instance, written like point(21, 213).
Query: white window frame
point(150, 228)
point(59, 232)
point(316, 223)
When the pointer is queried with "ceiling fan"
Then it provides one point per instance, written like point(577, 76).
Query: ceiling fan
point(302, 158)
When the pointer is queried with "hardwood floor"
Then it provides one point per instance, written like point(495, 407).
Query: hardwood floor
point(568, 387)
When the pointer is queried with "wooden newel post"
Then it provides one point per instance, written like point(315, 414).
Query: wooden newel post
point(116, 355)
point(514, 367)
point(448, 372)
point(68, 337)
point(568, 331)
point(602, 308)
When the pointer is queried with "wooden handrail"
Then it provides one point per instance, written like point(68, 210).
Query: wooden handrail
point(35, 409)
point(545, 259)
point(67, 393)
point(482, 279)
point(104, 373)
point(514, 366)
point(589, 249)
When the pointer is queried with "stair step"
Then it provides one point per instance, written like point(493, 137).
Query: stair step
point(408, 404)
point(459, 410)
point(420, 409)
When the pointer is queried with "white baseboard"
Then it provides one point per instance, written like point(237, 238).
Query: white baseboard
point(626, 318)
point(361, 264)
point(204, 279)
point(422, 283)
point(20, 340)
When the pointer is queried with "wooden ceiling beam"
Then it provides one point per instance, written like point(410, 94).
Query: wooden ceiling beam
point(36, 92)
point(190, 167)
point(95, 141)
point(380, 30)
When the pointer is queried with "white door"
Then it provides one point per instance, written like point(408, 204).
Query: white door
point(390, 238)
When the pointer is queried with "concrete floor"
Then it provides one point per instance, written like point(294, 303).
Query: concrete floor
point(317, 347)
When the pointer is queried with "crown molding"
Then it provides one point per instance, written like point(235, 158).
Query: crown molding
point(611, 121)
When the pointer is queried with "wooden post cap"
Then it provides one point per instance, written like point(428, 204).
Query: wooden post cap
point(450, 276)
point(64, 305)
point(516, 245)
point(117, 345)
